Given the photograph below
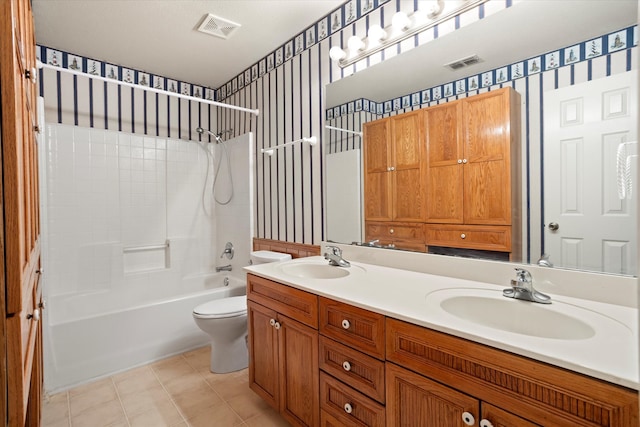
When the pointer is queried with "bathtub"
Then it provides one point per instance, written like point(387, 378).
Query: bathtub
point(135, 325)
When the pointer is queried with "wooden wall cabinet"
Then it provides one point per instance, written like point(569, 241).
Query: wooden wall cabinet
point(21, 344)
point(283, 349)
point(472, 169)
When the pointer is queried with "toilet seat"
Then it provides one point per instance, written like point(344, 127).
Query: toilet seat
point(221, 308)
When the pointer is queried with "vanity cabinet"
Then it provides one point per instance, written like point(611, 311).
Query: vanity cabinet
point(472, 158)
point(398, 235)
point(283, 349)
point(453, 376)
point(393, 181)
point(352, 383)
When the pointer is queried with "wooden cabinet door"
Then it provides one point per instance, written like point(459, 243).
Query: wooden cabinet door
point(263, 353)
point(408, 202)
point(298, 373)
point(377, 177)
point(21, 225)
point(487, 177)
point(500, 418)
point(444, 164)
point(414, 400)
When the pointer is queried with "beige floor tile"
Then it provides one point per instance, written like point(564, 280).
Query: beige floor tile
point(171, 368)
point(231, 387)
point(185, 383)
point(55, 408)
point(60, 423)
point(199, 359)
point(191, 402)
point(135, 380)
point(269, 418)
point(92, 395)
point(146, 400)
point(106, 414)
point(248, 405)
point(220, 415)
point(161, 416)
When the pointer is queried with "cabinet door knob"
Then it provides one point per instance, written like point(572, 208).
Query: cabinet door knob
point(459, 161)
point(468, 418)
point(348, 408)
point(346, 366)
point(485, 423)
point(272, 322)
point(346, 324)
point(391, 231)
point(35, 315)
point(463, 236)
point(464, 161)
point(277, 325)
point(393, 168)
point(42, 304)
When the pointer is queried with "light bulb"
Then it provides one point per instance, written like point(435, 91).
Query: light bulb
point(400, 21)
point(376, 33)
point(336, 53)
point(355, 44)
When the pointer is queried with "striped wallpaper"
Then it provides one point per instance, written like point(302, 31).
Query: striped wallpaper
point(290, 97)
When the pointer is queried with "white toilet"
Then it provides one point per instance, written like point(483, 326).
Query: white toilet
point(225, 320)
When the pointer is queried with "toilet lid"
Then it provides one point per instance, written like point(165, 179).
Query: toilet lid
point(223, 307)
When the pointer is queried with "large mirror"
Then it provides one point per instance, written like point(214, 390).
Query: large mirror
point(567, 190)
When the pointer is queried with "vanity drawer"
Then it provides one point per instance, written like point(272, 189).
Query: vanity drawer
point(484, 237)
point(294, 303)
point(356, 327)
point(347, 405)
point(394, 231)
point(362, 372)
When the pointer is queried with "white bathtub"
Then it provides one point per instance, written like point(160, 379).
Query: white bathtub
point(134, 326)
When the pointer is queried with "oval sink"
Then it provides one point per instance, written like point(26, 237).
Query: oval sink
point(314, 271)
point(488, 308)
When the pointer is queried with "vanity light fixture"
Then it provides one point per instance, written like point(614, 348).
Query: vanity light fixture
point(312, 140)
point(402, 27)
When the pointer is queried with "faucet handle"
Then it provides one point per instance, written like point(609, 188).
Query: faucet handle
point(523, 275)
point(335, 250)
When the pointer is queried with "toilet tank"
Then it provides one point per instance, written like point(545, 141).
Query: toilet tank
point(263, 257)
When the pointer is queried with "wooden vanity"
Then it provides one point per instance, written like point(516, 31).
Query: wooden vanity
point(322, 362)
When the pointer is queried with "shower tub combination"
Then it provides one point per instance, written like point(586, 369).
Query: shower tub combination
point(156, 322)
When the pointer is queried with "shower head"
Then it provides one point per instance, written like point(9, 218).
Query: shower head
point(217, 136)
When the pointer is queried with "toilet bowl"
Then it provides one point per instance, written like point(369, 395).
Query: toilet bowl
point(225, 320)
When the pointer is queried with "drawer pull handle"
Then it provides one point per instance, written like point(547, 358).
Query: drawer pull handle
point(272, 322)
point(277, 325)
point(348, 408)
point(468, 418)
point(346, 365)
point(35, 316)
point(463, 236)
point(346, 324)
point(485, 423)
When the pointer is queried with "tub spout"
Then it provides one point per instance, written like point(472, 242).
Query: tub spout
point(223, 268)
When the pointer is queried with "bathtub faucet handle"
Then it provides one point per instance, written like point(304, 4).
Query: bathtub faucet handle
point(228, 251)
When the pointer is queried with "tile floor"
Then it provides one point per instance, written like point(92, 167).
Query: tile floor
point(179, 391)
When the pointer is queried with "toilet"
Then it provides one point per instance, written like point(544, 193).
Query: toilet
point(225, 320)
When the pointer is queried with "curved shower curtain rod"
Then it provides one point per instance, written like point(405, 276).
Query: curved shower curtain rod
point(148, 89)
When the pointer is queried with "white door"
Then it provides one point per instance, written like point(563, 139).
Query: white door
point(584, 125)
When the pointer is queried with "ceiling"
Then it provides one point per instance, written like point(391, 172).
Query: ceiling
point(160, 37)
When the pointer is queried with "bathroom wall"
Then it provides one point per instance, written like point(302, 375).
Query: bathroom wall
point(108, 196)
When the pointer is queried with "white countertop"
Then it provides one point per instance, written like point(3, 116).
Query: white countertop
point(611, 354)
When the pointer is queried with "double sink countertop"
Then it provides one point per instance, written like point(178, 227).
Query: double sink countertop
point(593, 338)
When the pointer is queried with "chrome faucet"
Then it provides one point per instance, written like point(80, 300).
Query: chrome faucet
point(228, 251)
point(522, 288)
point(223, 268)
point(334, 256)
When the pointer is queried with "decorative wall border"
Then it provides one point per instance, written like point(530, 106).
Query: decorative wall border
point(625, 38)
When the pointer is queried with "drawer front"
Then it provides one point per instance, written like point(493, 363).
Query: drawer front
point(294, 303)
point(348, 405)
point(490, 238)
point(362, 372)
point(356, 327)
point(395, 231)
point(533, 390)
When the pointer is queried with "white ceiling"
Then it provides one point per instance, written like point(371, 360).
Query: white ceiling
point(160, 37)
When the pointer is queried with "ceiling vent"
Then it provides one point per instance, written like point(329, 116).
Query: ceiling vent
point(219, 27)
point(464, 62)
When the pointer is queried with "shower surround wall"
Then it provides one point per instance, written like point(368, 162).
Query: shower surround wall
point(124, 226)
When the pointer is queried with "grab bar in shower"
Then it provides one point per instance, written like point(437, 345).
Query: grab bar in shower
point(146, 248)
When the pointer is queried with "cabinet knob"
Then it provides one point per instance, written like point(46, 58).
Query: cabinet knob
point(393, 168)
point(485, 423)
point(459, 161)
point(35, 315)
point(40, 271)
point(42, 304)
point(348, 408)
point(464, 161)
point(463, 236)
point(31, 75)
point(272, 322)
point(277, 325)
point(346, 366)
point(391, 231)
point(468, 418)
point(346, 324)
